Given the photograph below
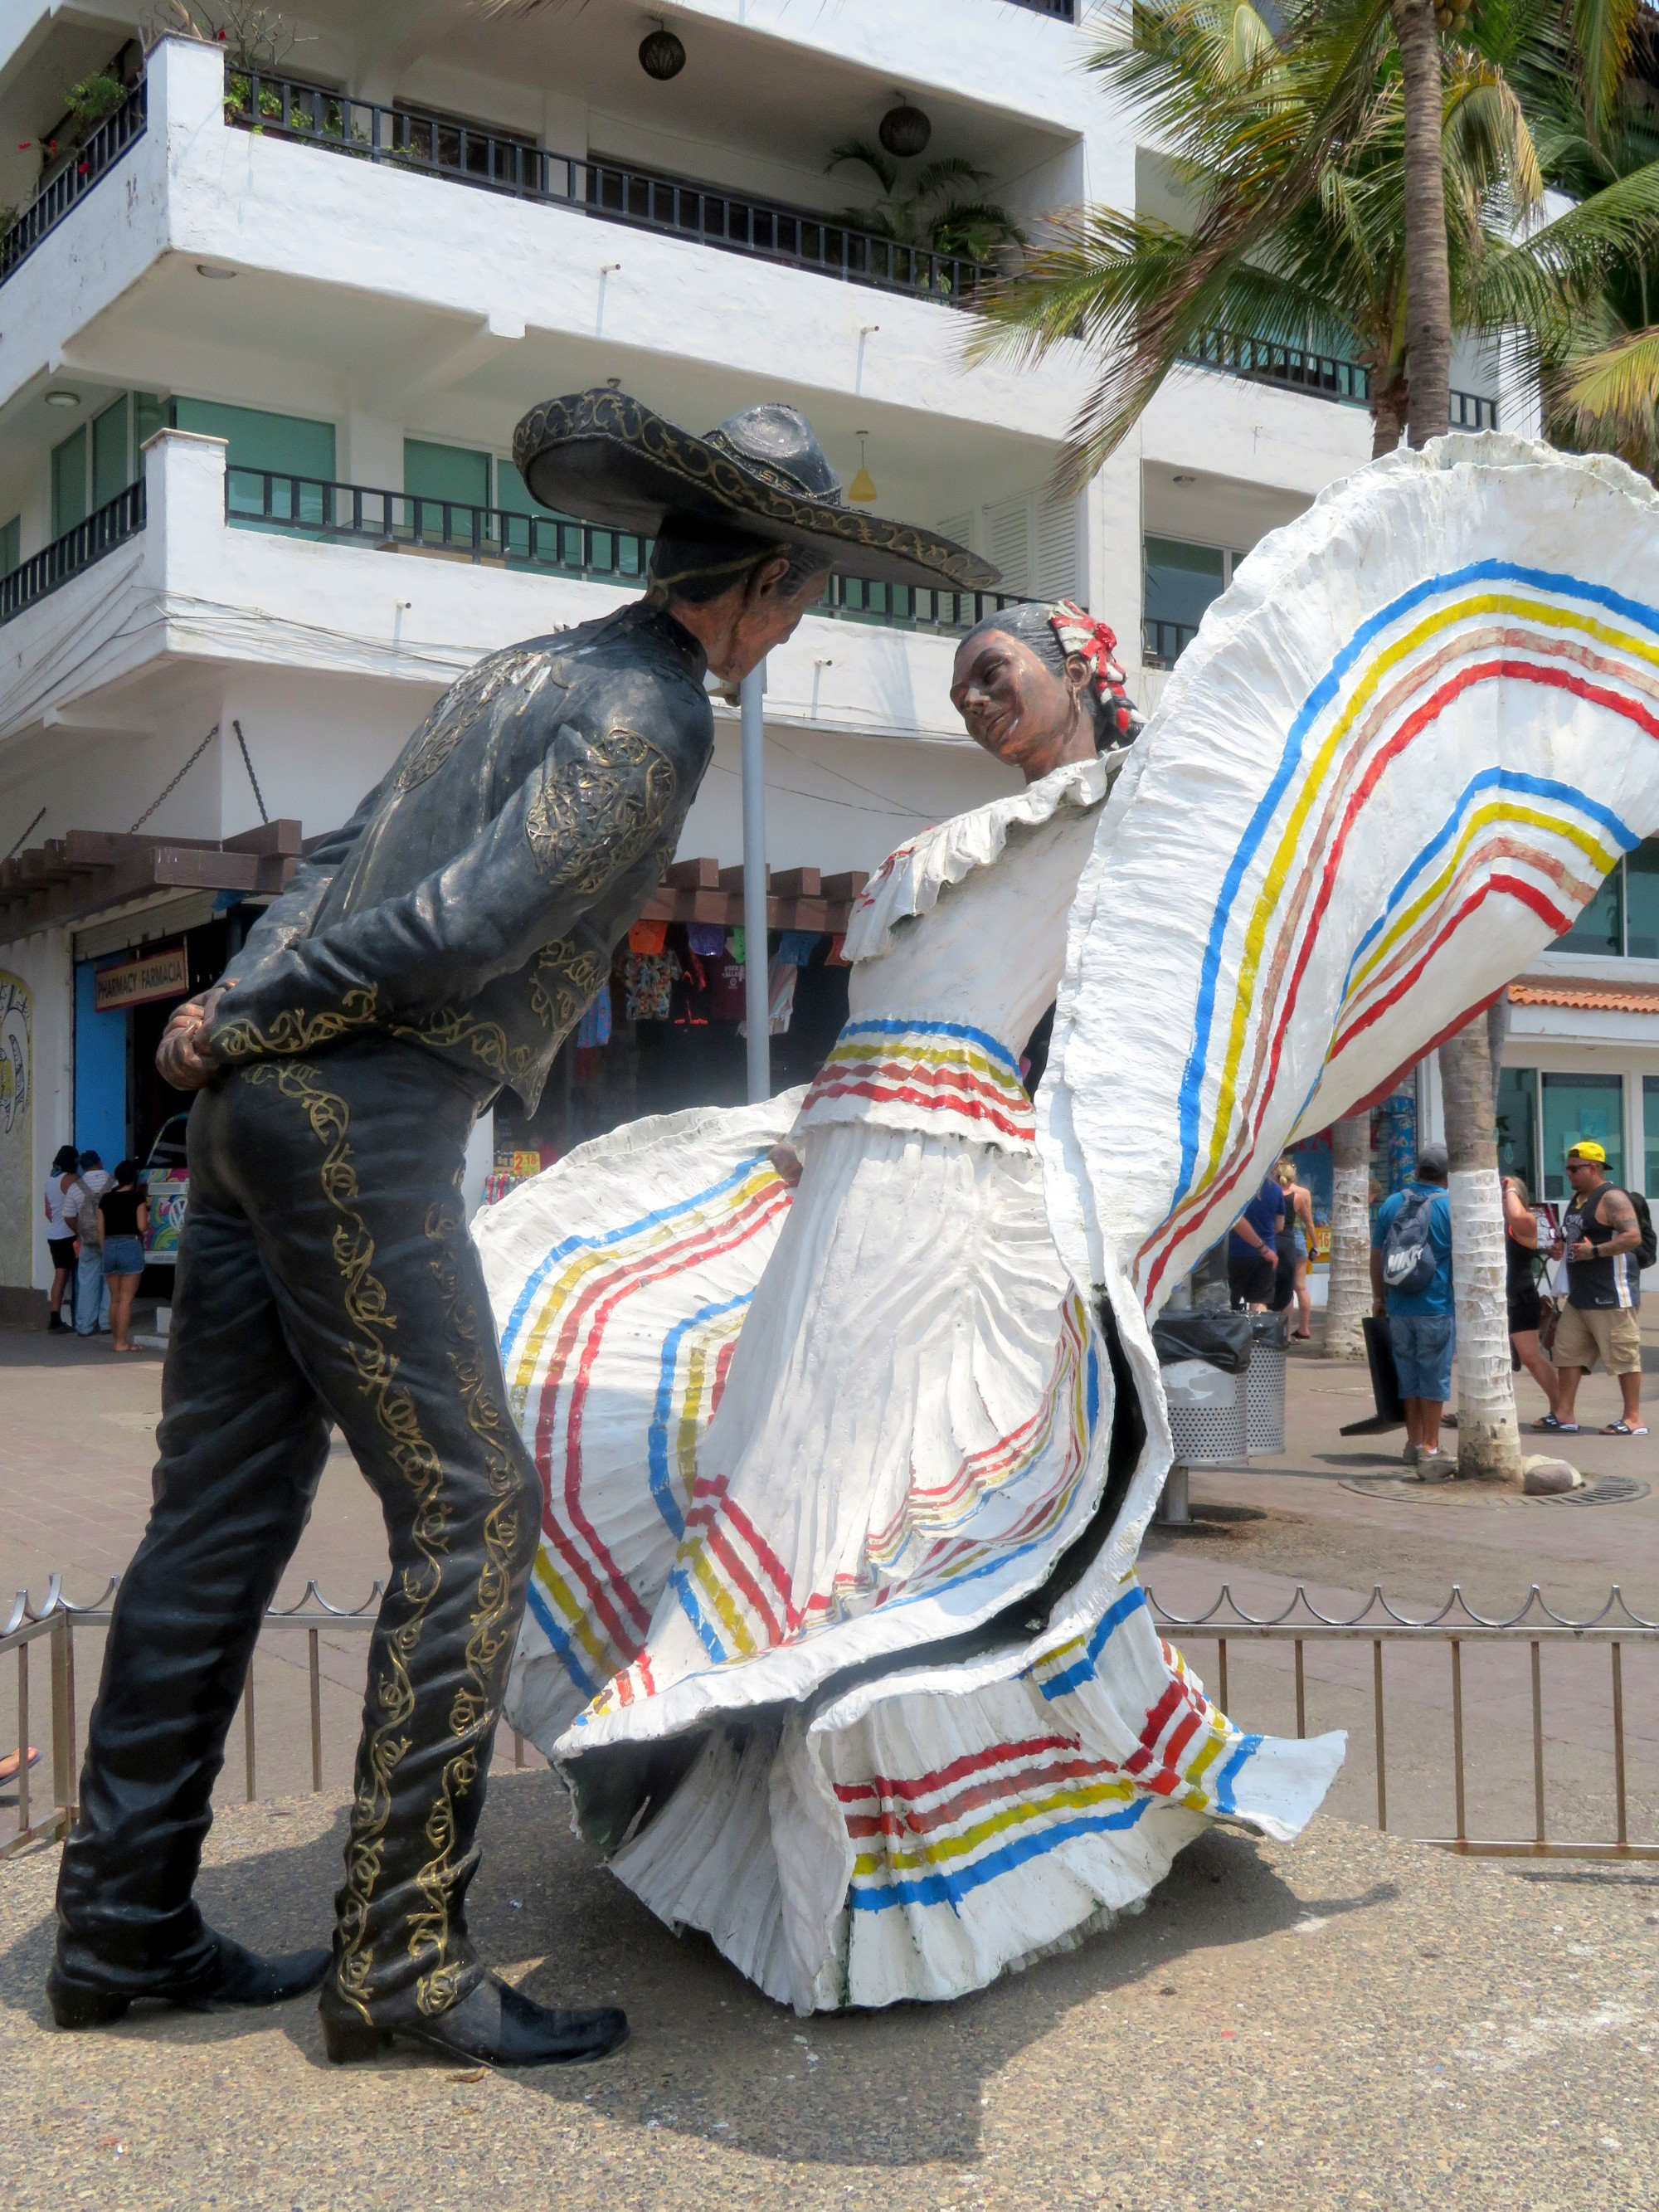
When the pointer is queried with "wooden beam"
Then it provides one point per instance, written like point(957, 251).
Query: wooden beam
point(797, 883)
point(845, 886)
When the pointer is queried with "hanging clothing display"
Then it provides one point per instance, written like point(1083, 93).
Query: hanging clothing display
point(647, 938)
point(594, 1027)
point(649, 979)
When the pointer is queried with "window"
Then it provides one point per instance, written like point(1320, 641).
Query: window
point(1600, 927)
point(1650, 1133)
point(1577, 1106)
point(1623, 917)
point(1517, 1125)
point(11, 544)
point(451, 472)
point(110, 439)
point(287, 445)
point(69, 483)
point(1179, 582)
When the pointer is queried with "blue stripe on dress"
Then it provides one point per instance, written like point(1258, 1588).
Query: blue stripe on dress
point(953, 1888)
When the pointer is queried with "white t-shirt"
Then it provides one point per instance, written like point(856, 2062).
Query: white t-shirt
point(81, 1202)
point(56, 1224)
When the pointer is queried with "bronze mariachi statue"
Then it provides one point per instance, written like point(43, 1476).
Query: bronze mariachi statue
point(437, 949)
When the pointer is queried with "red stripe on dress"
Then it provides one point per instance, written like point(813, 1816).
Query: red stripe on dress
point(922, 1785)
point(719, 1491)
point(974, 1798)
point(708, 1516)
point(894, 1094)
point(1157, 1721)
point(1478, 673)
point(1516, 886)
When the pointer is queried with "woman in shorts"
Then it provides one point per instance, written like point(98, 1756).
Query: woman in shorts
point(1521, 1257)
point(125, 1215)
point(60, 1233)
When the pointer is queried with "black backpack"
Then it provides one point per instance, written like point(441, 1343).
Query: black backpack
point(1408, 1255)
point(1648, 1250)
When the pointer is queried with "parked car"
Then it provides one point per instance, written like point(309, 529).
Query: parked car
point(166, 1178)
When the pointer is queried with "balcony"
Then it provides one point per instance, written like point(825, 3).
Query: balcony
point(1324, 376)
point(62, 190)
point(395, 521)
point(317, 582)
point(438, 146)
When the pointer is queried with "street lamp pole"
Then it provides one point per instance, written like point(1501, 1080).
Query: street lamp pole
point(756, 992)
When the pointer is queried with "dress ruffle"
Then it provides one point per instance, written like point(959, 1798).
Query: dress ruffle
point(909, 880)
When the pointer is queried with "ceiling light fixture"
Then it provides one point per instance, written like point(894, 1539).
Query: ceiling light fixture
point(863, 486)
point(904, 130)
point(1180, 479)
point(661, 54)
point(63, 399)
point(219, 275)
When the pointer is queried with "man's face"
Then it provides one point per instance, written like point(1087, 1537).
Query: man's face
point(765, 614)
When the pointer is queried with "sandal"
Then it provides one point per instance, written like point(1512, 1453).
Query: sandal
point(1551, 1426)
point(1624, 1429)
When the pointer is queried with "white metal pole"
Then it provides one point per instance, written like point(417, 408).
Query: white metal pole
point(756, 995)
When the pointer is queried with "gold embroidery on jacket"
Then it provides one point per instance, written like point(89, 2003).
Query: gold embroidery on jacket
point(564, 979)
point(294, 1030)
point(370, 1324)
point(465, 699)
point(450, 1028)
point(594, 816)
point(476, 1706)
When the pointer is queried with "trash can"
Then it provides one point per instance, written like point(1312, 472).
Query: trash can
point(1264, 1382)
point(1205, 1359)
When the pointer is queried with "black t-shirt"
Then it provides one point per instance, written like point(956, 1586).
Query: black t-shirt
point(121, 1211)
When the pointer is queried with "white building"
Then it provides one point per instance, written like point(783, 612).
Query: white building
point(264, 337)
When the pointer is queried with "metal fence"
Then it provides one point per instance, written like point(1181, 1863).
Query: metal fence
point(98, 154)
point(1455, 1630)
point(308, 507)
point(507, 161)
point(46, 1698)
point(104, 529)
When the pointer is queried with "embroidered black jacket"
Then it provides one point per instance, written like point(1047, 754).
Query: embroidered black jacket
point(473, 903)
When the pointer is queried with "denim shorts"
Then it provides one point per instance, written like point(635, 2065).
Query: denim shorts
point(1423, 1346)
point(124, 1256)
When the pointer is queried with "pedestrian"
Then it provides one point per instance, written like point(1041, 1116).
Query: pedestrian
point(124, 1215)
point(81, 1210)
point(1253, 1249)
point(60, 1236)
point(1297, 1238)
point(1412, 1284)
point(1522, 1256)
point(1601, 1240)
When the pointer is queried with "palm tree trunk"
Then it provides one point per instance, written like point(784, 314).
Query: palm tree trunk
point(1488, 1439)
point(1428, 272)
point(1488, 1434)
point(1348, 1299)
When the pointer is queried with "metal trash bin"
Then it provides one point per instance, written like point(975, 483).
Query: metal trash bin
point(1208, 1420)
point(1264, 1382)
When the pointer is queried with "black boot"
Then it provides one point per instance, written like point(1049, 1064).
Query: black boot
point(491, 2025)
point(233, 1977)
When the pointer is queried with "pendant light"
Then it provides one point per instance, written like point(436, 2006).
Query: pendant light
point(661, 54)
point(904, 130)
point(863, 486)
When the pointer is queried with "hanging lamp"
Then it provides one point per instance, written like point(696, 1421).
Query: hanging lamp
point(863, 486)
point(662, 55)
point(904, 130)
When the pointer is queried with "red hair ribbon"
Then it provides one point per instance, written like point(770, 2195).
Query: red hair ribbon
point(1096, 642)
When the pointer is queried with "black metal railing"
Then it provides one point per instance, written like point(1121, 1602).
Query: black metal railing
point(1327, 376)
point(309, 507)
point(76, 178)
point(1162, 644)
point(105, 529)
point(1063, 11)
point(499, 161)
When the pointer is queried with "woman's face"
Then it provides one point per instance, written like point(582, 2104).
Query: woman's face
point(1016, 708)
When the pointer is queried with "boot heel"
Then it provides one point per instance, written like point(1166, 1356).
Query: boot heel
point(346, 2039)
point(73, 2007)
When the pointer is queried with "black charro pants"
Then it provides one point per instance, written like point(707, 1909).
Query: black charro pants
point(324, 1275)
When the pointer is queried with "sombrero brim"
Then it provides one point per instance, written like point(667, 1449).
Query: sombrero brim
point(605, 459)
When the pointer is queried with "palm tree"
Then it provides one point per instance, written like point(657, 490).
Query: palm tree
point(930, 214)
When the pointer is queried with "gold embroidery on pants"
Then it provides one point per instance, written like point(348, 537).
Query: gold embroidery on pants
point(370, 1322)
point(476, 1706)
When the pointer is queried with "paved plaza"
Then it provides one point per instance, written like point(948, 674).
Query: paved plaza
point(1355, 2021)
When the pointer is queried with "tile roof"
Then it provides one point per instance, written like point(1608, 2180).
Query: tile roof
point(1586, 993)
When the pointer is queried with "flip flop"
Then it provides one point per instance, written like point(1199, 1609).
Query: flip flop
point(1624, 1429)
point(8, 1764)
point(1551, 1426)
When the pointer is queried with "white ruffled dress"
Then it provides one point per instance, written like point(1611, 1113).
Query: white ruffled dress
point(824, 1468)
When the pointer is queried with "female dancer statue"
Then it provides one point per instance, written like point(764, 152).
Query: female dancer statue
point(798, 1666)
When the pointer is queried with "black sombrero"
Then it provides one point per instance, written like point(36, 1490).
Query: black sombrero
point(606, 459)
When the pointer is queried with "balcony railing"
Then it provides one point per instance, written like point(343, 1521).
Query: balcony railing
point(59, 193)
point(1327, 376)
point(438, 146)
point(308, 507)
point(1063, 11)
point(101, 532)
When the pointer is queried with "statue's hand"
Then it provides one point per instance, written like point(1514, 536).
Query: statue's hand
point(786, 1162)
point(183, 1057)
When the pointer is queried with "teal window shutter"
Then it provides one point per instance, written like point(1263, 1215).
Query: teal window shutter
point(110, 472)
point(446, 485)
point(286, 445)
point(69, 482)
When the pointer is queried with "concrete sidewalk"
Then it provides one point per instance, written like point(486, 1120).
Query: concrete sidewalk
point(1349, 2022)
